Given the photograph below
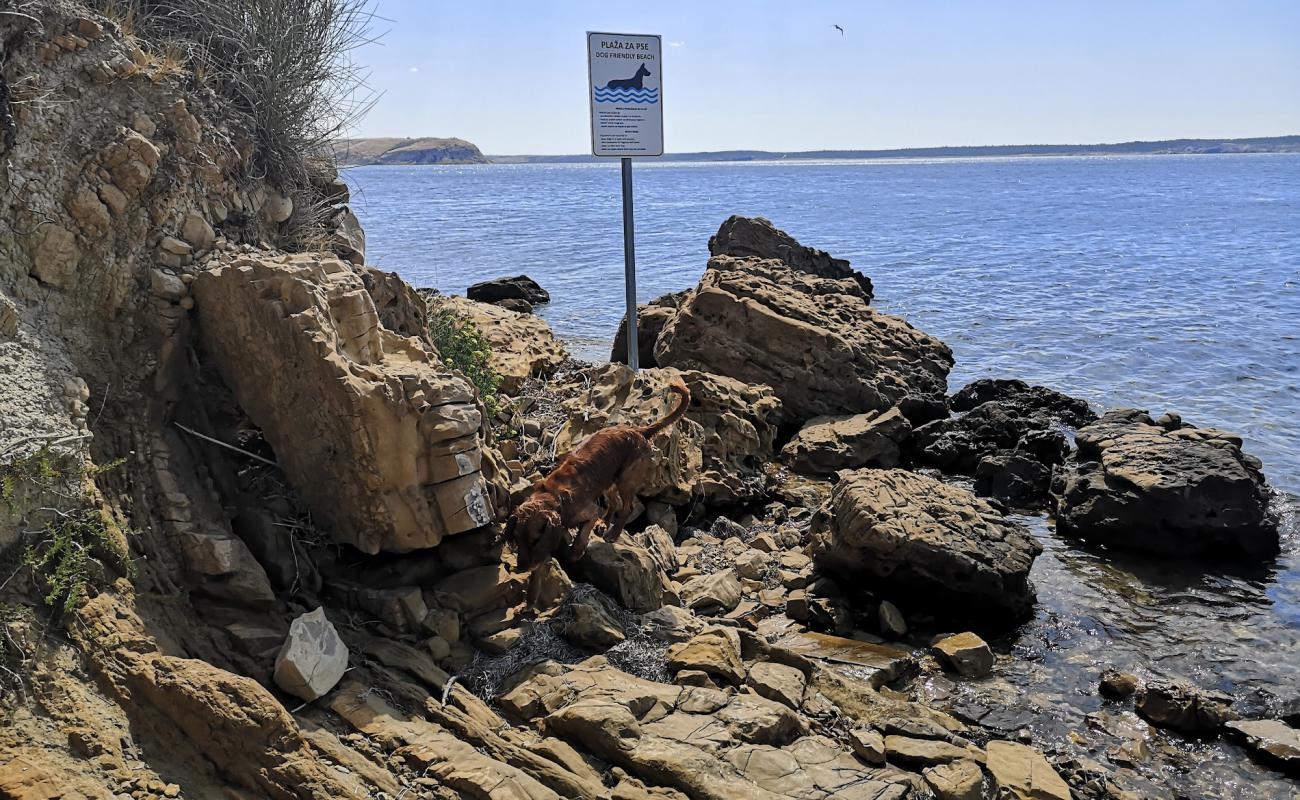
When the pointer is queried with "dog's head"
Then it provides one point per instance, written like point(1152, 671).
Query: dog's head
point(643, 72)
point(536, 529)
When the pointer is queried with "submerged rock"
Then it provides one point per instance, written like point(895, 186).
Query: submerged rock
point(376, 436)
point(932, 544)
point(312, 659)
point(1179, 490)
point(520, 287)
point(816, 341)
point(1179, 705)
point(829, 444)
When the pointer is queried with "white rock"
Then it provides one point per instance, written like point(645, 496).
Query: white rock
point(277, 208)
point(197, 232)
point(313, 657)
point(891, 620)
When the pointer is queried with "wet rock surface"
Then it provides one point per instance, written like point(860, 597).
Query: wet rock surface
point(1176, 490)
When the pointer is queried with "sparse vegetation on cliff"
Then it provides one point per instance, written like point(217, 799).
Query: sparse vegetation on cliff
point(463, 346)
point(57, 542)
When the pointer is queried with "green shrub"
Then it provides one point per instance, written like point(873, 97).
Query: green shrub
point(463, 346)
point(59, 552)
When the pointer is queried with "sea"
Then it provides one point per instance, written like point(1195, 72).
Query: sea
point(1168, 283)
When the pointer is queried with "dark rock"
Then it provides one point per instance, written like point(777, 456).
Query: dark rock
point(520, 287)
point(1183, 707)
point(927, 544)
point(746, 237)
point(1013, 478)
point(1025, 398)
point(1186, 492)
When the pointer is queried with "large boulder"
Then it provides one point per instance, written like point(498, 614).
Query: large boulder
point(935, 545)
point(650, 321)
point(523, 345)
point(716, 454)
point(520, 287)
point(829, 444)
point(381, 441)
point(816, 341)
point(1169, 489)
point(628, 572)
point(756, 237)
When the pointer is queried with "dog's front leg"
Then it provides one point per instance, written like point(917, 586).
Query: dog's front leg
point(573, 553)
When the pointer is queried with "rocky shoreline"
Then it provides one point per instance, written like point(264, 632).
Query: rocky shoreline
point(253, 513)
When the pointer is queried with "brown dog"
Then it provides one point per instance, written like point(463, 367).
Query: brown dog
point(612, 463)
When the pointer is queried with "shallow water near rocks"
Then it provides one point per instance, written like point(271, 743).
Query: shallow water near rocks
point(1167, 282)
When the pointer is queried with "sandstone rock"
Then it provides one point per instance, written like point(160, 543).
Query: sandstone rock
point(166, 285)
point(479, 589)
point(626, 571)
point(380, 441)
point(349, 239)
point(715, 454)
point(712, 594)
point(663, 515)
point(715, 651)
point(671, 624)
point(522, 344)
point(815, 341)
point(55, 256)
point(868, 745)
point(1025, 399)
point(932, 543)
point(777, 682)
point(277, 208)
point(196, 230)
point(520, 287)
point(224, 566)
point(829, 444)
point(8, 318)
point(592, 622)
point(1183, 492)
point(924, 752)
point(966, 653)
point(554, 584)
point(402, 608)
point(873, 664)
point(1272, 739)
point(752, 564)
point(756, 237)
point(650, 321)
point(1118, 685)
point(956, 780)
point(1179, 705)
point(401, 308)
point(1021, 773)
point(313, 657)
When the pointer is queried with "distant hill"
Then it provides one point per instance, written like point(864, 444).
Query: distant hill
point(426, 150)
point(1269, 144)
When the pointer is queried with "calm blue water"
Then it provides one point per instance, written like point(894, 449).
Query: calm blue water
point(1167, 282)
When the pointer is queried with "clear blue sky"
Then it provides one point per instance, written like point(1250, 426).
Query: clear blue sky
point(511, 76)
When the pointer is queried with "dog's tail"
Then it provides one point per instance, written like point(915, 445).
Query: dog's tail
point(683, 400)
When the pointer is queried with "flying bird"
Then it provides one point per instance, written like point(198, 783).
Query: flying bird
point(838, 28)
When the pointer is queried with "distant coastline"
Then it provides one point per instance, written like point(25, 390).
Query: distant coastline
point(1267, 144)
point(360, 152)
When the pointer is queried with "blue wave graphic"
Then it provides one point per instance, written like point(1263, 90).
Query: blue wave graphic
point(627, 95)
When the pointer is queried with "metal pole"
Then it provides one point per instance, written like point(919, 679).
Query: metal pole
point(629, 267)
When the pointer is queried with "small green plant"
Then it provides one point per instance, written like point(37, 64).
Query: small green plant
point(463, 346)
point(59, 552)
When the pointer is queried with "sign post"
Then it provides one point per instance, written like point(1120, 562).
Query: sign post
point(625, 81)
